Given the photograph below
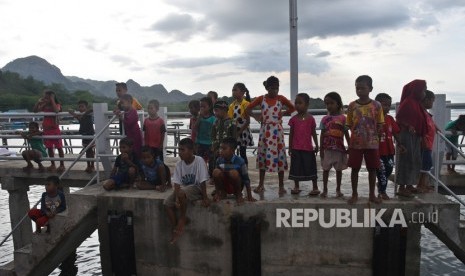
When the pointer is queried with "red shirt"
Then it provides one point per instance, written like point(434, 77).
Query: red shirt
point(428, 139)
point(386, 145)
point(153, 131)
point(303, 132)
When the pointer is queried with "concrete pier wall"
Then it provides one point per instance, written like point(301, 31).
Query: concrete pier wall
point(206, 248)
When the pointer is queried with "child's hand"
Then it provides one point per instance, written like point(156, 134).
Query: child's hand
point(124, 156)
point(316, 149)
point(251, 198)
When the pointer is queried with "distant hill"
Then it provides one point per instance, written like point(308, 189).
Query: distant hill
point(40, 69)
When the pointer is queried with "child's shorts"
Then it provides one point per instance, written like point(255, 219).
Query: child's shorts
point(193, 193)
point(334, 158)
point(228, 183)
point(120, 179)
point(303, 165)
point(453, 152)
point(53, 143)
point(36, 215)
point(371, 157)
point(426, 160)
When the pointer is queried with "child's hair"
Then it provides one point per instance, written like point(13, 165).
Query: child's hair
point(230, 141)
point(126, 97)
point(84, 102)
point(52, 93)
point(429, 95)
point(122, 85)
point(187, 142)
point(155, 103)
point(383, 97)
point(148, 150)
point(270, 81)
point(461, 119)
point(209, 102)
point(33, 124)
point(213, 93)
point(366, 79)
point(221, 105)
point(304, 97)
point(126, 141)
point(243, 88)
point(53, 179)
point(335, 97)
point(195, 104)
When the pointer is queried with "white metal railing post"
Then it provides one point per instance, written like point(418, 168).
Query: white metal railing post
point(102, 143)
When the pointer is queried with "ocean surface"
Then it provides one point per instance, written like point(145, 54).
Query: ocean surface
point(436, 258)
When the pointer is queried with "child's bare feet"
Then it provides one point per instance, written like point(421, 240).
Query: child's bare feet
point(178, 230)
point(314, 192)
point(324, 194)
point(259, 189)
point(353, 199)
point(374, 199)
point(339, 194)
point(61, 169)
point(383, 196)
point(52, 168)
point(282, 191)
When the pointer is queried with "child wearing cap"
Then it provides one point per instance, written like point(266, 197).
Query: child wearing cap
point(223, 127)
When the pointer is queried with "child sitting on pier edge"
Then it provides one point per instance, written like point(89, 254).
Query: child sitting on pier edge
point(190, 178)
point(271, 151)
point(303, 160)
point(333, 152)
point(386, 145)
point(231, 174)
point(52, 202)
point(154, 129)
point(365, 120)
point(204, 132)
point(37, 150)
point(237, 113)
point(86, 127)
point(125, 167)
point(131, 123)
point(153, 173)
point(50, 126)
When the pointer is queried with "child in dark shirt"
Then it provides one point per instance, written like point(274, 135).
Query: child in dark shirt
point(52, 202)
point(153, 173)
point(125, 168)
point(86, 127)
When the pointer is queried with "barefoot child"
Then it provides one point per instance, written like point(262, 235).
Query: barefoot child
point(365, 120)
point(37, 150)
point(271, 151)
point(190, 178)
point(303, 160)
point(125, 168)
point(333, 152)
point(153, 173)
point(52, 202)
point(386, 145)
point(237, 113)
point(154, 129)
point(231, 174)
point(86, 127)
point(131, 123)
point(50, 126)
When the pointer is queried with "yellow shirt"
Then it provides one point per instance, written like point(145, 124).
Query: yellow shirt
point(242, 106)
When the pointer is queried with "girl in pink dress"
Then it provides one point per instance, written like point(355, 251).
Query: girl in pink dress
point(271, 151)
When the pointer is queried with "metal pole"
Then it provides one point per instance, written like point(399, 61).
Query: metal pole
point(294, 65)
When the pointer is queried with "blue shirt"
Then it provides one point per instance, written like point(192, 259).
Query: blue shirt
point(151, 172)
point(236, 163)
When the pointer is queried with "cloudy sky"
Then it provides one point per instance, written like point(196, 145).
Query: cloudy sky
point(197, 46)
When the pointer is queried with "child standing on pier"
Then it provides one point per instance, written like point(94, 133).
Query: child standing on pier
point(365, 120)
point(125, 167)
point(411, 119)
point(131, 123)
point(271, 151)
point(194, 109)
point(50, 126)
point(237, 113)
point(222, 128)
point(52, 202)
point(333, 152)
point(154, 129)
point(427, 144)
point(190, 178)
point(86, 127)
point(37, 150)
point(204, 131)
point(153, 173)
point(452, 153)
point(122, 89)
point(386, 145)
point(303, 160)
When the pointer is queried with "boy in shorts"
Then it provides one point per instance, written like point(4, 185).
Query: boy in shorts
point(365, 119)
point(231, 175)
point(125, 168)
point(37, 150)
point(190, 178)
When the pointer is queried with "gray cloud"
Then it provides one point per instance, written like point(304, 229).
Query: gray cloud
point(123, 60)
point(206, 77)
point(323, 54)
point(179, 26)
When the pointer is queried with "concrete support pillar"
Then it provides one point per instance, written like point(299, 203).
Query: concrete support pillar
point(19, 207)
point(102, 143)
